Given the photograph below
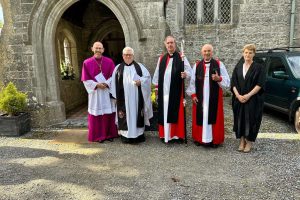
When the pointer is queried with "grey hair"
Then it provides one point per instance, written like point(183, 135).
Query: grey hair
point(128, 49)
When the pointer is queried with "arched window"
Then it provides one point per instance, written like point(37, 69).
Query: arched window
point(1, 18)
point(207, 12)
point(66, 65)
point(67, 51)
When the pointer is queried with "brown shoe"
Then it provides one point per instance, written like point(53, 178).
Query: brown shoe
point(248, 147)
point(242, 144)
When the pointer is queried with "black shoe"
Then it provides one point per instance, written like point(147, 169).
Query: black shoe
point(179, 141)
point(197, 143)
point(214, 145)
point(110, 139)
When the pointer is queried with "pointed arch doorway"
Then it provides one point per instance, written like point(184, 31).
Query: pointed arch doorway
point(82, 24)
point(56, 23)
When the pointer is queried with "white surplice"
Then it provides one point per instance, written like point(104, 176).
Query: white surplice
point(131, 99)
point(225, 83)
point(166, 89)
point(99, 101)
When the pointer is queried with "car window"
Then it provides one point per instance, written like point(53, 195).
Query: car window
point(276, 65)
point(260, 60)
point(295, 65)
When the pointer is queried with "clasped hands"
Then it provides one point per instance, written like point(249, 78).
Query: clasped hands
point(243, 98)
point(137, 82)
point(102, 85)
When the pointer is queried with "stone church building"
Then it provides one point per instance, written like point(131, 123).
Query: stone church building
point(43, 43)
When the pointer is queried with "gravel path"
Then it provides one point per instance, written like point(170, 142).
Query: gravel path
point(61, 164)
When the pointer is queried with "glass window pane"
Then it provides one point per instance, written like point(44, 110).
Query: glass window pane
point(190, 12)
point(225, 11)
point(295, 65)
point(208, 11)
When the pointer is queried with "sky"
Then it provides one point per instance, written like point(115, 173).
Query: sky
point(1, 14)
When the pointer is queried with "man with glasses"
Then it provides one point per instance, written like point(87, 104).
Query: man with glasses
point(96, 77)
point(131, 86)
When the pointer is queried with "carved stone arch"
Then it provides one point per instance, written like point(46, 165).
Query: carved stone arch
point(70, 36)
point(108, 27)
point(45, 18)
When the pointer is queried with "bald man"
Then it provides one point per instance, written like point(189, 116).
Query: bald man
point(209, 77)
point(96, 77)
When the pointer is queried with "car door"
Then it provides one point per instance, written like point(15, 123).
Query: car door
point(277, 84)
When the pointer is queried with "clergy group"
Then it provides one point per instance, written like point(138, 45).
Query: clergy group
point(119, 97)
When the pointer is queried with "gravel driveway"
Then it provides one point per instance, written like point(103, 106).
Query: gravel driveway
point(61, 164)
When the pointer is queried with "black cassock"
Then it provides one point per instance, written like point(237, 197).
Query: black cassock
point(248, 116)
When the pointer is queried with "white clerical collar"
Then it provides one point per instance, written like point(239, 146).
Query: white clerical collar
point(207, 62)
point(128, 64)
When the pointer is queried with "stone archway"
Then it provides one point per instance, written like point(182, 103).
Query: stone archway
point(103, 33)
point(44, 22)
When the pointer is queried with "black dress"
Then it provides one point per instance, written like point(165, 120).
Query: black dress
point(247, 116)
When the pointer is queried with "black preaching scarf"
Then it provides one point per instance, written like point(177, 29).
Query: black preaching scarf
point(175, 89)
point(213, 92)
point(121, 107)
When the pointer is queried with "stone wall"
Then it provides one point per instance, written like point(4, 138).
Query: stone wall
point(16, 54)
point(27, 60)
point(262, 22)
point(296, 41)
point(153, 23)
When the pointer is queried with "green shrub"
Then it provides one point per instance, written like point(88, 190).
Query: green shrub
point(154, 98)
point(11, 100)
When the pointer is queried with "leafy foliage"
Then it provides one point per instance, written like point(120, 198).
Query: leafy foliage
point(67, 71)
point(154, 98)
point(12, 101)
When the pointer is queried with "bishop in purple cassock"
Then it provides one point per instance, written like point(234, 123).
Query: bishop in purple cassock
point(96, 77)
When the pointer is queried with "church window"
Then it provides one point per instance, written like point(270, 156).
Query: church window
point(190, 11)
point(225, 11)
point(207, 12)
point(67, 51)
point(1, 18)
point(66, 65)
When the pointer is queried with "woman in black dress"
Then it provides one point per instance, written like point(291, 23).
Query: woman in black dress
point(247, 87)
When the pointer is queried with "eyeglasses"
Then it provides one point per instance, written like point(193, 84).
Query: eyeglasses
point(129, 55)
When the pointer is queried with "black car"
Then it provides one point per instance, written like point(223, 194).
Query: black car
point(282, 89)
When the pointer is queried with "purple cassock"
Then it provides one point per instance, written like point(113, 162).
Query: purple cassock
point(101, 108)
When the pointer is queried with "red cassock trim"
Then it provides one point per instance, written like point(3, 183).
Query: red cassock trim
point(176, 129)
point(217, 129)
